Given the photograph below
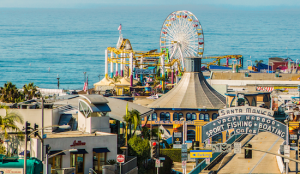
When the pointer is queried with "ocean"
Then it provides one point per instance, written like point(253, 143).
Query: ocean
point(37, 45)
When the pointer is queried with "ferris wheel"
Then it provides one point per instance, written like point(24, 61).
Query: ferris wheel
point(182, 35)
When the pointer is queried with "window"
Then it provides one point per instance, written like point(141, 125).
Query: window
point(55, 163)
point(201, 116)
point(162, 116)
point(253, 103)
point(266, 98)
point(194, 116)
point(99, 160)
point(175, 116)
point(217, 138)
point(154, 116)
point(191, 135)
point(240, 102)
point(167, 116)
point(214, 116)
point(180, 115)
point(188, 116)
point(206, 117)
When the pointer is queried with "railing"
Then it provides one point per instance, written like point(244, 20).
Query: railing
point(129, 165)
point(203, 164)
point(91, 170)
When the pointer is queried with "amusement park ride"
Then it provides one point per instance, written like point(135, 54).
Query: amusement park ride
point(181, 36)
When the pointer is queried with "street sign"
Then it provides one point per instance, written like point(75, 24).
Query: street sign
point(177, 138)
point(176, 146)
point(286, 153)
point(201, 154)
point(120, 158)
point(44, 136)
point(184, 148)
point(157, 163)
point(293, 141)
point(162, 158)
point(207, 160)
point(183, 164)
point(221, 147)
point(237, 147)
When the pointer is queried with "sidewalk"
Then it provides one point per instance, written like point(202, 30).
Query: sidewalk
point(189, 166)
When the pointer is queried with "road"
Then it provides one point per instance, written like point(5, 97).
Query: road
point(260, 162)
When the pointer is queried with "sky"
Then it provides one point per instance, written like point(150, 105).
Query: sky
point(103, 3)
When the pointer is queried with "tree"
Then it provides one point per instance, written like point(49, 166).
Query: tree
point(29, 91)
point(257, 62)
point(8, 123)
point(10, 94)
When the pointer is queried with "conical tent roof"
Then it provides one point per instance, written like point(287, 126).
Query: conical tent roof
point(104, 82)
point(192, 92)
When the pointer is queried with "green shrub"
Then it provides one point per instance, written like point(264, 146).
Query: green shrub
point(174, 154)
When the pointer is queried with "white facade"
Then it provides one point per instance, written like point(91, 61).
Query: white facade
point(65, 140)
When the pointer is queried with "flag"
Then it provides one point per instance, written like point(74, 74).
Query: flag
point(86, 84)
point(120, 28)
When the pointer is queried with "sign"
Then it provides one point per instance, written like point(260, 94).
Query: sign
point(162, 158)
point(44, 136)
point(286, 153)
point(240, 96)
point(207, 160)
point(184, 152)
point(293, 140)
point(188, 141)
point(79, 143)
point(12, 170)
point(183, 164)
point(145, 71)
point(184, 148)
point(120, 158)
point(237, 147)
point(177, 138)
point(174, 122)
point(176, 146)
point(244, 124)
point(221, 147)
point(157, 163)
point(200, 154)
point(246, 110)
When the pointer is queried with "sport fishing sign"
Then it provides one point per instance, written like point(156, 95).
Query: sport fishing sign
point(244, 121)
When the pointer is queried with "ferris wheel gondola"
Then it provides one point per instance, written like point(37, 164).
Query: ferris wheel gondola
point(182, 35)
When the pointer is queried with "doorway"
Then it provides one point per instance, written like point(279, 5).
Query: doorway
point(77, 161)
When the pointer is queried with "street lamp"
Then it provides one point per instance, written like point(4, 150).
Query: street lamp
point(184, 130)
point(53, 155)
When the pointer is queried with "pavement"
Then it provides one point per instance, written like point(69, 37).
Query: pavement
point(189, 166)
point(292, 165)
point(260, 162)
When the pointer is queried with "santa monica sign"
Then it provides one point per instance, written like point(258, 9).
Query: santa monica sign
point(244, 120)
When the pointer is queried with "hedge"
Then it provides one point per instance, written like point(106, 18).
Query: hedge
point(174, 154)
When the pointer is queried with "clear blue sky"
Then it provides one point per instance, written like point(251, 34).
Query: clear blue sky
point(92, 3)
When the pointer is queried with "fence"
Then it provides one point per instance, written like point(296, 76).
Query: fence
point(129, 165)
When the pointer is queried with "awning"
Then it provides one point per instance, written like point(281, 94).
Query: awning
point(100, 150)
point(22, 153)
point(80, 151)
point(56, 151)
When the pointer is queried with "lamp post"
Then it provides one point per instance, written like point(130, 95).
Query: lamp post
point(287, 142)
point(58, 81)
point(53, 155)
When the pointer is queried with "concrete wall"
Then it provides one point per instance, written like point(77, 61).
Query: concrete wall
point(100, 124)
point(81, 122)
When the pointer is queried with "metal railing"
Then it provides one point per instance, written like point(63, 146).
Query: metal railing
point(129, 165)
point(91, 171)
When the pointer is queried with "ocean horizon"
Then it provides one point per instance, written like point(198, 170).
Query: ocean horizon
point(37, 45)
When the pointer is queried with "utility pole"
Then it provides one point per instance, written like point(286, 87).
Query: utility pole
point(42, 142)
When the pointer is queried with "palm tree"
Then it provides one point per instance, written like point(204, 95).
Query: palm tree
point(29, 91)
point(9, 93)
point(135, 119)
point(8, 122)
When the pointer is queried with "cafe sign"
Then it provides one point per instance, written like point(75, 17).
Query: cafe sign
point(244, 122)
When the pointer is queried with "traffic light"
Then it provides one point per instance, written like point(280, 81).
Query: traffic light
point(35, 128)
point(47, 148)
point(154, 149)
point(27, 128)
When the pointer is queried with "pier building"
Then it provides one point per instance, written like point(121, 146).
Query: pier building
point(192, 101)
